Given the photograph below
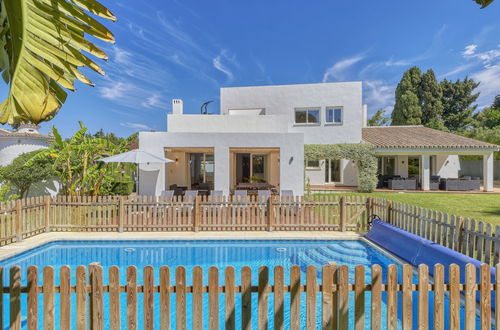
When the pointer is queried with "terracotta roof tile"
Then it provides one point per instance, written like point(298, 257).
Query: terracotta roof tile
point(419, 137)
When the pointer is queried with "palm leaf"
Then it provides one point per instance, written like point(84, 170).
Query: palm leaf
point(41, 44)
point(483, 3)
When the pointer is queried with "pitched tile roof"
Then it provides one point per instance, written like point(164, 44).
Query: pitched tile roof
point(7, 133)
point(419, 137)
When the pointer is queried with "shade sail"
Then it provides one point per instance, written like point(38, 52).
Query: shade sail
point(135, 156)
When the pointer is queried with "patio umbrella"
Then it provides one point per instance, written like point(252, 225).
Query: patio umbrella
point(135, 156)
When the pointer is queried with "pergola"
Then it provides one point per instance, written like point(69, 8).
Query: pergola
point(423, 142)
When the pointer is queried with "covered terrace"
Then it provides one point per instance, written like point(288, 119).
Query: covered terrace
point(427, 156)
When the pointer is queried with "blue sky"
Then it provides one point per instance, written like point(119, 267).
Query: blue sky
point(189, 49)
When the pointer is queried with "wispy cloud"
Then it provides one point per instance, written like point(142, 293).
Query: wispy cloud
point(379, 95)
point(489, 85)
point(434, 47)
point(217, 63)
point(458, 69)
point(337, 71)
point(137, 126)
point(115, 91)
point(487, 57)
point(469, 50)
point(153, 101)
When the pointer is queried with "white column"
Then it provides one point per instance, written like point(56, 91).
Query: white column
point(488, 172)
point(222, 169)
point(426, 172)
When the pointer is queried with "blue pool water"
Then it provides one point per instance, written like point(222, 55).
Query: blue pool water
point(220, 253)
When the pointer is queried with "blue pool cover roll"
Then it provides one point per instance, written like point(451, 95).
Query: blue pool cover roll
point(417, 250)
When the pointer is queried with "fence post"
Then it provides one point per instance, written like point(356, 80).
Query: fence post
point(19, 220)
point(389, 212)
point(197, 214)
point(121, 213)
point(96, 320)
point(459, 234)
point(47, 213)
point(369, 208)
point(270, 213)
point(342, 213)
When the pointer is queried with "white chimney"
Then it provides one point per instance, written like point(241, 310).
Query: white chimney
point(177, 107)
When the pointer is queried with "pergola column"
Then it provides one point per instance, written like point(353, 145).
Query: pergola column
point(222, 169)
point(488, 172)
point(426, 172)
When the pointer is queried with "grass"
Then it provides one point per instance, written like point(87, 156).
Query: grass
point(485, 207)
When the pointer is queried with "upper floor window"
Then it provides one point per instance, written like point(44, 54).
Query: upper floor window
point(333, 115)
point(307, 116)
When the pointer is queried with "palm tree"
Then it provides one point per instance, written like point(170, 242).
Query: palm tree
point(41, 44)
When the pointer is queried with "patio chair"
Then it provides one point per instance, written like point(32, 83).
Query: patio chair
point(241, 198)
point(242, 193)
point(190, 195)
point(263, 194)
point(167, 193)
point(217, 193)
point(262, 198)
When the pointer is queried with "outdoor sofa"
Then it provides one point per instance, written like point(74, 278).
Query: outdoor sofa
point(402, 184)
point(461, 184)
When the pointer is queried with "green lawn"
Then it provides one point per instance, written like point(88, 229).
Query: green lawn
point(485, 207)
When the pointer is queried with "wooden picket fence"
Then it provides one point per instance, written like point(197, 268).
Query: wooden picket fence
point(28, 217)
point(475, 239)
point(332, 295)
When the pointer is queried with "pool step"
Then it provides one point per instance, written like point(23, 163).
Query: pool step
point(347, 250)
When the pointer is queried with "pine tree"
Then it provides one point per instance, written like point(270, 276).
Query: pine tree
point(430, 95)
point(407, 110)
point(496, 102)
point(457, 102)
point(378, 118)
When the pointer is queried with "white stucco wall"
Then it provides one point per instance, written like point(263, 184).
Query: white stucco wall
point(283, 99)
point(291, 145)
point(227, 123)
point(13, 147)
point(447, 166)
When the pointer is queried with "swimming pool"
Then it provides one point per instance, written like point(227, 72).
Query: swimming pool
point(206, 253)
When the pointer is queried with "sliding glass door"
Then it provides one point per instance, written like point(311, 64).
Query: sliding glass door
point(201, 168)
point(332, 171)
point(251, 168)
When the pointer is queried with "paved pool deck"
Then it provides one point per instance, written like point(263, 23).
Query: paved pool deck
point(13, 249)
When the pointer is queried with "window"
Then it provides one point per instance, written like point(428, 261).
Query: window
point(334, 115)
point(313, 164)
point(307, 116)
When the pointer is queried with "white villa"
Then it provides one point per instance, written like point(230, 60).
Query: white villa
point(260, 133)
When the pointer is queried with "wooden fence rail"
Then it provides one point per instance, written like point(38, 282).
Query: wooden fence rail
point(326, 301)
point(24, 218)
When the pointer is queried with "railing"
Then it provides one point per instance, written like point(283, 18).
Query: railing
point(326, 302)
